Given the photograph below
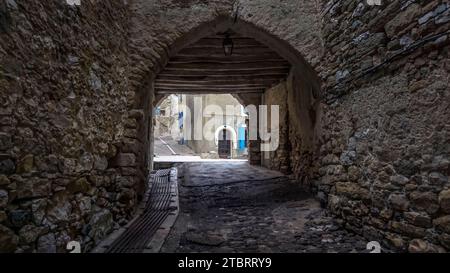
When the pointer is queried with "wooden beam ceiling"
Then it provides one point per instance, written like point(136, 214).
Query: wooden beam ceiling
point(203, 68)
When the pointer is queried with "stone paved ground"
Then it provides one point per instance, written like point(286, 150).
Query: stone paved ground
point(162, 150)
point(235, 207)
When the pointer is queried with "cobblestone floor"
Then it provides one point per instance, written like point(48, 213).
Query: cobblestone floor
point(235, 207)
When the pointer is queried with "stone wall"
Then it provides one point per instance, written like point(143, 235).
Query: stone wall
point(385, 153)
point(298, 114)
point(278, 159)
point(64, 87)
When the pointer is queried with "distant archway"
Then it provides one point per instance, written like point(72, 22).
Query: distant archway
point(234, 139)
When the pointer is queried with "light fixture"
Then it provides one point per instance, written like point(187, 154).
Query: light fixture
point(228, 45)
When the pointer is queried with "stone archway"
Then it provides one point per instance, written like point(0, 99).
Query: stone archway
point(152, 50)
point(309, 86)
point(231, 130)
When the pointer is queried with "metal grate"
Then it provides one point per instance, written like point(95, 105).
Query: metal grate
point(141, 231)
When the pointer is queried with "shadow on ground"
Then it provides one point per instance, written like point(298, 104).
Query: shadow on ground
point(236, 207)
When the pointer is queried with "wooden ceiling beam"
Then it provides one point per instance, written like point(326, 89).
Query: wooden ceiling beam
point(218, 87)
point(218, 42)
point(202, 68)
point(223, 77)
point(226, 60)
point(228, 66)
point(225, 72)
point(263, 81)
point(221, 57)
point(277, 74)
point(207, 91)
point(215, 87)
point(209, 51)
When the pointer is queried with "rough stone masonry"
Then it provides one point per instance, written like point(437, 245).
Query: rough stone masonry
point(368, 113)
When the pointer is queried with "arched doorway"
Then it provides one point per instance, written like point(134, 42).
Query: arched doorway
point(226, 141)
point(182, 68)
point(224, 144)
point(197, 65)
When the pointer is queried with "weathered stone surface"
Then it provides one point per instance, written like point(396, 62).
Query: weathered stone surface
point(101, 163)
point(444, 201)
point(408, 229)
point(397, 241)
point(3, 199)
point(100, 224)
point(353, 173)
point(399, 180)
point(3, 216)
point(352, 190)
point(399, 202)
point(444, 239)
point(421, 246)
point(79, 185)
point(204, 239)
point(57, 127)
point(26, 164)
point(442, 223)
point(402, 20)
point(4, 180)
point(59, 208)
point(29, 234)
point(33, 188)
point(7, 166)
point(427, 201)
point(84, 205)
point(8, 240)
point(125, 160)
point(5, 141)
point(19, 218)
point(418, 219)
point(38, 210)
point(46, 243)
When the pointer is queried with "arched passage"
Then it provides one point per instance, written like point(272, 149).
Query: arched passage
point(185, 68)
point(286, 63)
point(303, 100)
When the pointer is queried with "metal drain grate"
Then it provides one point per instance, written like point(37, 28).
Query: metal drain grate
point(141, 231)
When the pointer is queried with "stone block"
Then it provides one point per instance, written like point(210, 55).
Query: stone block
point(407, 229)
point(79, 185)
point(442, 224)
point(100, 224)
point(418, 219)
point(33, 188)
point(352, 190)
point(8, 240)
point(402, 20)
point(125, 160)
point(427, 201)
point(398, 202)
point(47, 243)
point(4, 198)
point(25, 165)
point(421, 246)
point(444, 200)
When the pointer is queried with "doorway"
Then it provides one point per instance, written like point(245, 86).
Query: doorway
point(224, 147)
